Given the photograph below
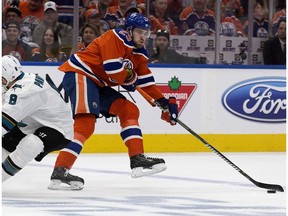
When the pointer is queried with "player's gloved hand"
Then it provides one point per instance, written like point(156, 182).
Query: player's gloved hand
point(170, 109)
point(131, 80)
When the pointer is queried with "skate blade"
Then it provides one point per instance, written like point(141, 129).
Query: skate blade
point(58, 185)
point(140, 172)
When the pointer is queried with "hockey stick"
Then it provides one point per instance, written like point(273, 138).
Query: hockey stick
point(258, 184)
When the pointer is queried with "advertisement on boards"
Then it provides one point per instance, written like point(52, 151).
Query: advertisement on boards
point(232, 106)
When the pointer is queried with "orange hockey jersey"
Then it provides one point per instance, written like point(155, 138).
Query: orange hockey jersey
point(106, 59)
point(31, 18)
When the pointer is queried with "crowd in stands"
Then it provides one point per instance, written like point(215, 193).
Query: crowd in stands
point(42, 30)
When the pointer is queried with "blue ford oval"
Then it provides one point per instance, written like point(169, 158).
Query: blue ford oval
point(260, 99)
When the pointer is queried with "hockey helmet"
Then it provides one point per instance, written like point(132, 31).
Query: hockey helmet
point(11, 68)
point(136, 20)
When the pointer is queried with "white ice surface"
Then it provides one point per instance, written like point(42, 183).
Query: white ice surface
point(200, 184)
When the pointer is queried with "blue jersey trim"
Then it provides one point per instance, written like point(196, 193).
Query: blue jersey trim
point(124, 36)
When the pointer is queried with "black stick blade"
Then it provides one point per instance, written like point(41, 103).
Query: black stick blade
point(262, 185)
point(278, 188)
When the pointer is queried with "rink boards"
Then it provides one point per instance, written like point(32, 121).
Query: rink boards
point(235, 109)
point(187, 143)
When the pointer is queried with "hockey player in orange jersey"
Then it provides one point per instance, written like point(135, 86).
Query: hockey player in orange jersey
point(117, 57)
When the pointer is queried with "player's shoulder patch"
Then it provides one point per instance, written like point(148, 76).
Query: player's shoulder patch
point(124, 36)
point(141, 51)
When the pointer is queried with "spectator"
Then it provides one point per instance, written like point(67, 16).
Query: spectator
point(165, 55)
point(49, 50)
point(119, 10)
point(174, 9)
point(244, 5)
point(131, 10)
point(234, 7)
point(155, 23)
point(196, 19)
point(92, 16)
point(260, 22)
point(32, 12)
point(160, 7)
point(230, 25)
point(274, 50)
point(65, 10)
point(88, 33)
point(6, 2)
point(13, 13)
point(101, 6)
point(13, 45)
point(140, 4)
point(109, 22)
point(64, 31)
point(281, 14)
point(280, 5)
point(211, 5)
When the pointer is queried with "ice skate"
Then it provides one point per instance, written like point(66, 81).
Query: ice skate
point(62, 180)
point(143, 166)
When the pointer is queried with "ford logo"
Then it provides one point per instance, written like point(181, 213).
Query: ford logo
point(261, 99)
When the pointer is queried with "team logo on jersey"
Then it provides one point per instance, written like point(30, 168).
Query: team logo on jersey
point(228, 29)
point(94, 104)
point(201, 28)
point(127, 63)
point(181, 91)
point(260, 99)
point(31, 22)
point(262, 33)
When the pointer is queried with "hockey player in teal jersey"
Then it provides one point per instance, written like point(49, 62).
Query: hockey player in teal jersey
point(35, 119)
